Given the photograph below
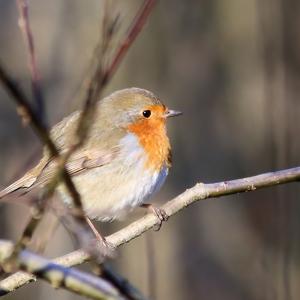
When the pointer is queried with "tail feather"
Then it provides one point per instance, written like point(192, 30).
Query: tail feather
point(24, 182)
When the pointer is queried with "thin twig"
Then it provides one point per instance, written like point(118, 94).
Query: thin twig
point(32, 64)
point(133, 31)
point(200, 191)
point(24, 25)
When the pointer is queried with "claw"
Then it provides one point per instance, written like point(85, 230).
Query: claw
point(160, 213)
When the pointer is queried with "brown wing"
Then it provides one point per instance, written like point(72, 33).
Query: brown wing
point(79, 162)
point(63, 135)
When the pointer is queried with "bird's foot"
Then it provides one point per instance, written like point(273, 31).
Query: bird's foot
point(160, 213)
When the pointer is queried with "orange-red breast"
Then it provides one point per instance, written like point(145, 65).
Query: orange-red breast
point(125, 158)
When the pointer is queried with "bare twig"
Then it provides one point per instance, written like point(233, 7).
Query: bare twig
point(60, 277)
point(200, 191)
point(133, 31)
point(32, 64)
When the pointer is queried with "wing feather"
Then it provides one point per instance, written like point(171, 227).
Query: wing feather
point(79, 162)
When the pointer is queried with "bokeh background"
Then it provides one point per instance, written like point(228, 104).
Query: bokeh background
point(233, 68)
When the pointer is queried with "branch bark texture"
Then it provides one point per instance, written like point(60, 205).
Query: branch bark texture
point(59, 276)
point(200, 191)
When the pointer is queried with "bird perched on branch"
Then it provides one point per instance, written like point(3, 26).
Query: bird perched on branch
point(123, 161)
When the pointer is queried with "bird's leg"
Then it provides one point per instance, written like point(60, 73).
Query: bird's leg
point(108, 248)
point(158, 212)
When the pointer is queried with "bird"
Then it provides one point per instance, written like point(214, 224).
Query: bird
point(124, 159)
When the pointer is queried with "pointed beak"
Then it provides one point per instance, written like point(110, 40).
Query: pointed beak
point(172, 113)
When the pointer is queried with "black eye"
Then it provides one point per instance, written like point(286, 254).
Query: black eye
point(147, 113)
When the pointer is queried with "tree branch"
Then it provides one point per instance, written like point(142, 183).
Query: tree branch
point(200, 191)
point(60, 277)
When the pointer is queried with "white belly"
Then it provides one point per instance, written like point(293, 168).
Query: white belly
point(117, 188)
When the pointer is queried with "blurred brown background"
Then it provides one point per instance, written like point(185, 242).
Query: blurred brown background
point(233, 68)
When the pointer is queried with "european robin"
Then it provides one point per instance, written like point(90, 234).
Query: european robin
point(125, 158)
